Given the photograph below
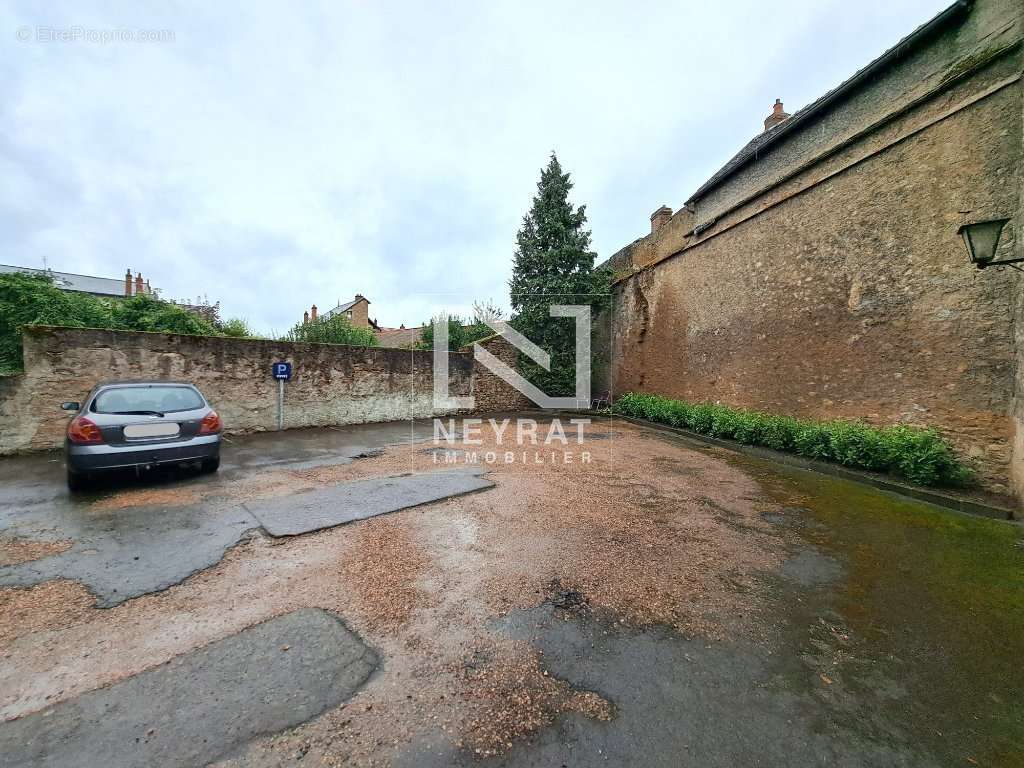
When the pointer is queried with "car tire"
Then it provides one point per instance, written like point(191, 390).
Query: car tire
point(210, 465)
point(77, 481)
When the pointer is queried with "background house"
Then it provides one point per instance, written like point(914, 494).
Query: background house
point(97, 286)
point(115, 288)
point(357, 312)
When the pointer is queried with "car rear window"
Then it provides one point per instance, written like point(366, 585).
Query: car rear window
point(163, 399)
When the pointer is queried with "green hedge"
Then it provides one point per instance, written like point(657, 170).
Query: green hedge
point(919, 455)
point(27, 299)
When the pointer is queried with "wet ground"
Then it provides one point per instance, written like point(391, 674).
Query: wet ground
point(664, 603)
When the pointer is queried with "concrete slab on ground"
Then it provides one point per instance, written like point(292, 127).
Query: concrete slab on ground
point(202, 705)
point(122, 553)
point(125, 553)
point(360, 499)
point(678, 702)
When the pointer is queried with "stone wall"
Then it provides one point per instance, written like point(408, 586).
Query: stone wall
point(490, 392)
point(827, 280)
point(331, 384)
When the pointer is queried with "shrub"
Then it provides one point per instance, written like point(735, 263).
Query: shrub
point(813, 441)
point(779, 432)
point(30, 299)
point(336, 329)
point(923, 457)
point(148, 313)
point(701, 417)
point(679, 413)
point(723, 422)
point(747, 428)
point(857, 445)
point(460, 333)
point(237, 328)
point(919, 455)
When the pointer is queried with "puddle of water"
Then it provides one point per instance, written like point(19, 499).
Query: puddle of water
point(926, 620)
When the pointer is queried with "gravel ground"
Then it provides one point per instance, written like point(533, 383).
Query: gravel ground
point(15, 550)
point(648, 532)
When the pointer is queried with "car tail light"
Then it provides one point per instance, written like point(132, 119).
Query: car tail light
point(210, 425)
point(81, 430)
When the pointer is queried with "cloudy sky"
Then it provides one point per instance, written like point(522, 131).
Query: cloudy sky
point(275, 155)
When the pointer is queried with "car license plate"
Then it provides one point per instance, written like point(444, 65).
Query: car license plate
point(150, 430)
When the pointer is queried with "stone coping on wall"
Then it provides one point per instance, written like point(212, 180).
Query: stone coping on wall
point(43, 330)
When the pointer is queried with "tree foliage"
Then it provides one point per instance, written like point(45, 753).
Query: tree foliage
point(336, 329)
point(461, 333)
point(148, 313)
point(554, 265)
point(27, 299)
point(237, 328)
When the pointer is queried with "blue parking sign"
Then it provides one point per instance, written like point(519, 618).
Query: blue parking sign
point(282, 371)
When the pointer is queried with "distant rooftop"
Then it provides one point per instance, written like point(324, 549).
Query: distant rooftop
point(69, 281)
point(344, 307)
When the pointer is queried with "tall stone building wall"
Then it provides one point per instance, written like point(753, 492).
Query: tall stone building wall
point(826, 279)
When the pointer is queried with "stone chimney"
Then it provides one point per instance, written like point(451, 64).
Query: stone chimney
point(140, 287)
point(777, 116)
point(305, 317)
point(359, 314)
point(312, 312)
point(148, 289)
point(128, 282)
point(660, 218)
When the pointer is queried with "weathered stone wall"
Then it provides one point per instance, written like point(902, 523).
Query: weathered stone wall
point(990, 27)
point(331, 384)
point(1018, 446)
point(844, 290)
point(490, 392)
point(1017, 473)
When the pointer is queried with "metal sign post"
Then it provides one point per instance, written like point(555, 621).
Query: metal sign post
point(282, 372)
point(280, 404)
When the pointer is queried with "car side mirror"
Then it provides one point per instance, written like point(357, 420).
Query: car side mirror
point(70, 406)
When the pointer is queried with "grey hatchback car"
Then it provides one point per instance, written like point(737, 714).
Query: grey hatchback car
point(140, 424)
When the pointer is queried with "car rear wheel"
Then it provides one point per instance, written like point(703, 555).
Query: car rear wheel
point(77, 481)
point(210, 465)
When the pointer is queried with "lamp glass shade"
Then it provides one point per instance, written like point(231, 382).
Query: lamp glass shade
point(982, 239)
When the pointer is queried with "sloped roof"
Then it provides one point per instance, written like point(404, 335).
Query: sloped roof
point(346, 306)
point(763, 140)
point(399, 337)
point(105, 286)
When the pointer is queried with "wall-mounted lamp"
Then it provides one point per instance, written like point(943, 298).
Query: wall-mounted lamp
point(982, 239)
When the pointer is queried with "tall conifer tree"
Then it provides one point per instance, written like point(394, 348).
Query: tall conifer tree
point(554, 265)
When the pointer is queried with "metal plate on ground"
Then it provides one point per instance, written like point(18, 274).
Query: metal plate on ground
point(162, 429)
point(345, 502)
point(202, 705)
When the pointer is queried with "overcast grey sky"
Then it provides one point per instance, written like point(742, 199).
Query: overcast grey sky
point(272, 156)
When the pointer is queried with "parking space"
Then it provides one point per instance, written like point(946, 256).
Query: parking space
point(528, 612)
